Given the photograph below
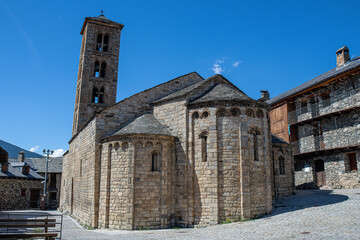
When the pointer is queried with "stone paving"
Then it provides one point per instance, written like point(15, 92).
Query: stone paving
point(310, 214)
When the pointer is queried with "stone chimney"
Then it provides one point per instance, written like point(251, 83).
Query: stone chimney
point(21, 157)
point(265, 95)
point(342, 56)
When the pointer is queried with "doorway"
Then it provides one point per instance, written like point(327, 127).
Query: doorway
point(320, 173)
point(34, 198)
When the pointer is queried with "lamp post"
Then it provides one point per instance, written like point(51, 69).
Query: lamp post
point(47, 152)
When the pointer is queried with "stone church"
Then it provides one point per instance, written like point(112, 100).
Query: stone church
point(187, 152)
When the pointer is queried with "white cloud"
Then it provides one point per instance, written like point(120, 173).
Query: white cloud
point(58, 153)
point(236, 64)
point(217, 68)
point(34, 149)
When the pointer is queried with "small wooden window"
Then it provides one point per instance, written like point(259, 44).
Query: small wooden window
point(281, 165)
point(23, 192)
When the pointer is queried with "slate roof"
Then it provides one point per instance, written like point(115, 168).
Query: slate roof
point(275, 139)
point(222, 92)
point(355, 63)
point(15, 171)
point(54, 164)
point(13, 150)
point(145, 124)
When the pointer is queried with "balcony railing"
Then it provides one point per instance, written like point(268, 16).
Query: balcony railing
point(334, 104)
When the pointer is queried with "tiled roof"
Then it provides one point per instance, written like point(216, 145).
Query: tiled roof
point(222, 92)
point(145, 124)
point(355, 63)
point(13, 150)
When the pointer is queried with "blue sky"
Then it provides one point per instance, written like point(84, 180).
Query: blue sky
point(258, 45)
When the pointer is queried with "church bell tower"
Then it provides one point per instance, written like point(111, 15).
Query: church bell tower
point(98, 68)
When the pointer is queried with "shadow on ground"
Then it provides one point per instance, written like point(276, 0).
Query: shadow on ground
point(306, 199)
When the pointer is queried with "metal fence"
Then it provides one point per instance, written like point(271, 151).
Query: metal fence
point(54, 219)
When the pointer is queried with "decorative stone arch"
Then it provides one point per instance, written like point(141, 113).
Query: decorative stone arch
point(116, 146)
point(149, 143)
point(195, 115)
point(124, 146)
point(249, 112)
point(259, 113)
point(221, 112)
point(235, 112)
point(205, 114)
point(255, 130)
point(139, 143)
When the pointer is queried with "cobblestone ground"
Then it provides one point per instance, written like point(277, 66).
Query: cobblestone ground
point(310, 214)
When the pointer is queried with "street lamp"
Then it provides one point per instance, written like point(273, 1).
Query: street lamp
point(47, 152)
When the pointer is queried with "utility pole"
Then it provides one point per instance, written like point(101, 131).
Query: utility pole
point(47, 152)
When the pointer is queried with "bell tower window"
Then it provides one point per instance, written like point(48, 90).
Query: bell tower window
point(103, 68)
point(99, 42)
point(101, 95)
point(95, 96)
point(106, 43)
point(97, 69)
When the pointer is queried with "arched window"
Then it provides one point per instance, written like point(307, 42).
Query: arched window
point(235, 112)
point(106, 43)
point(101, 95)
point(97, 69)
point(281, 165)
point(99, 42)
point(103, 68)
point(203, 138)
point(155, 161)
point(255, 133)
point(221, 113)
point(95, 96)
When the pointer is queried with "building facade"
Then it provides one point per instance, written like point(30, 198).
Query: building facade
point(321, 119)
point(188, 152)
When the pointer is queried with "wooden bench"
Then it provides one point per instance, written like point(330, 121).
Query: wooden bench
point(27, 223)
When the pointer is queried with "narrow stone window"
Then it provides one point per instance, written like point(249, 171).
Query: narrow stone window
point(80, 168)
point(155, 161)
point(203, 138)
point(101, 95)
point(106, 43)
point(95, 96)
point(103, 69)
point(255, 133)
point(99, 42)
point(281, 165)
point(97, 69)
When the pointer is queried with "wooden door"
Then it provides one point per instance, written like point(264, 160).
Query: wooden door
point(352, 162)
point(320, 173)
point(34, 198)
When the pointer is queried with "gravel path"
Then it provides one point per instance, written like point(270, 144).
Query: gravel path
point(310, 214)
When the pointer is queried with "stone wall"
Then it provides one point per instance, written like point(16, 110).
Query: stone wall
point(336, 174)
point(284, 184)
point(10, 193)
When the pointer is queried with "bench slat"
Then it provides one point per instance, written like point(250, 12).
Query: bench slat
point(27, 225)
point(26, 220)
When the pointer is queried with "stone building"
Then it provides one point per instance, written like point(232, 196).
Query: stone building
point(190, 151)
point(20, 184)
point(321, 119)
point(19, 157)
